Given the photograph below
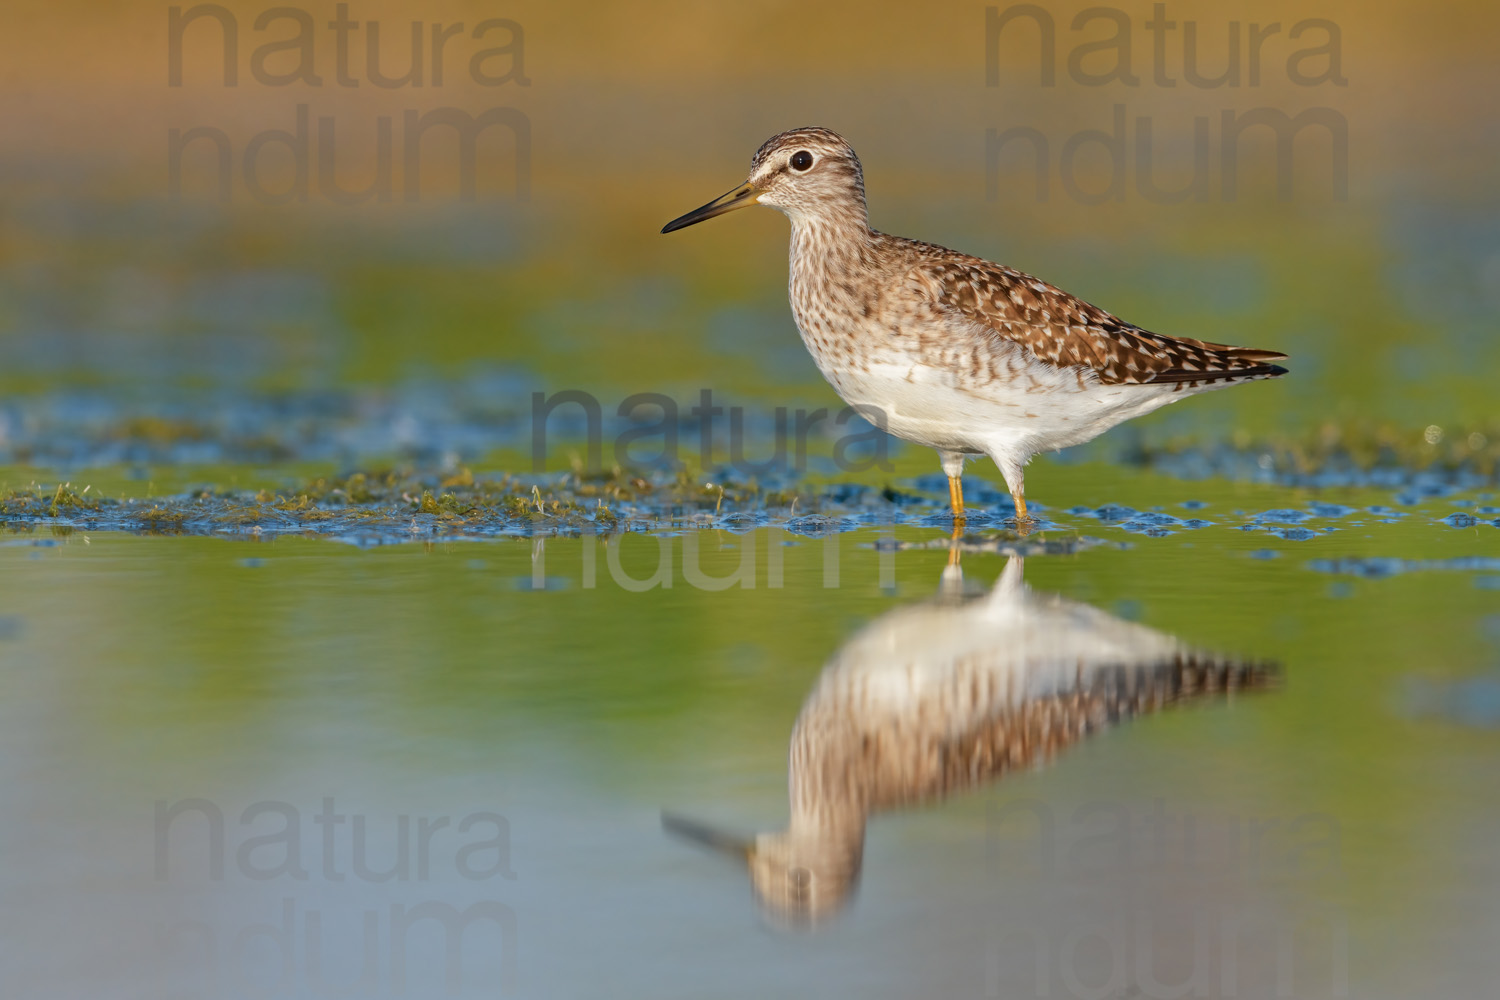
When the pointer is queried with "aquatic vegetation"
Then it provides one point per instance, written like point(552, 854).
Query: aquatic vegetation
point(463, 422)
point(1420, 462)
point(394, 505)
point(58, 503)
point(379, 505)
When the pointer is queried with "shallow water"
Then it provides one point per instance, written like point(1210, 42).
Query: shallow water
point(306, 654)
point(559, 692)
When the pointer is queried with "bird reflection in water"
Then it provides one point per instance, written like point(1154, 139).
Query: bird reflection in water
point(945, 695)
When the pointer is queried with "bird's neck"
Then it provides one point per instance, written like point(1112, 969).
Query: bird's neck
point(830, 841)
point(829, 791)
point(831, 236)
point(833, 818)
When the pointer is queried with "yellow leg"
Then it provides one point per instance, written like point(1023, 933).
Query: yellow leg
point(1023, 520)
point(956, 496)
point(956, 499)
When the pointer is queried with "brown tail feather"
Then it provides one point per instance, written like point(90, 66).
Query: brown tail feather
point(1251, 371)
point(1257, 356)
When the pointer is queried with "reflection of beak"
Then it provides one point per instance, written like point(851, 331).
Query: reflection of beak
point(692, 830)
point(745, 194)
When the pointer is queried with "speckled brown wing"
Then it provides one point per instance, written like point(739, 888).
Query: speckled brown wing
point(1036, 731)
point(1064, 330)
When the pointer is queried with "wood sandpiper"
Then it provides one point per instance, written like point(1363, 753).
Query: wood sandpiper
point(952, 351)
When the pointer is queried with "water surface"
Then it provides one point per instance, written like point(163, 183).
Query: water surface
point(561, 692)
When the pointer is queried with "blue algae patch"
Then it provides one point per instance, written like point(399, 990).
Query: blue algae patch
point(1425, 489)
point(547, 583)
point(1157, 525)
point(1340, 590)
point(1265, 554)
point(934, 482)
point(1487, 582)
point(1155, 522)
point(743, 523)
point(1461, 520)
point(1372, 568)
point(901, 498)
point(252, 563)
point(1378, 567)
point(10, 627)
point(815, 525)
point(1194, 504)
point(1284, 516)
point(1116, 512)
point(1412, 472)
point(1282, 521)
point(1330, 509)
point(1154, 518)
point(1472, 701)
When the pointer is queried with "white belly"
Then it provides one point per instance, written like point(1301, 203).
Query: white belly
point(1042, 410)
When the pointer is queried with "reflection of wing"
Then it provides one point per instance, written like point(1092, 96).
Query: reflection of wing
point(944, 695)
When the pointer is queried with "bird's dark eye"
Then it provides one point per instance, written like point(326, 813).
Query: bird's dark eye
point(801, 160)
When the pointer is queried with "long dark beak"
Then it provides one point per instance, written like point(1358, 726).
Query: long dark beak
point(690, 829)
point(741, 196)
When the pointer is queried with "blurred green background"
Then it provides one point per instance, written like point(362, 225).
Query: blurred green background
point(1385, 299)
point(254, 666)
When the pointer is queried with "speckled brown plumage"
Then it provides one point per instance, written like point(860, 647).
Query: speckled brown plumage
point(943, 696)
point(952, 351)
point(1064, 330)
point(871, 765)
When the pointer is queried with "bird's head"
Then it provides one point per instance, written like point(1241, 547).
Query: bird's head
point(807, 173)
point(800, 878)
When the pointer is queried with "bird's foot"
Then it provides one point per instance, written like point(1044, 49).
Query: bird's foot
point(1025, 523)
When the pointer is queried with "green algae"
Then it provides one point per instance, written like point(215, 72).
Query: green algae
point(381, 499)
point(384, 504)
